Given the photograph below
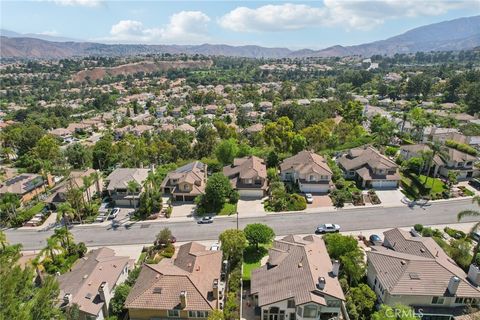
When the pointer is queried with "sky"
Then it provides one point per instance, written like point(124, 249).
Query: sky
point(293, 24)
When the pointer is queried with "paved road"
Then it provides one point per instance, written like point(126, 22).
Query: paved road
point(291, 223)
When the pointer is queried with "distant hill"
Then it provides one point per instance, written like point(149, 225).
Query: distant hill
point(13, 34)
point(458, 34)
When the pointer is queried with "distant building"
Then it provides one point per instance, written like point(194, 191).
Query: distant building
point(26, 186)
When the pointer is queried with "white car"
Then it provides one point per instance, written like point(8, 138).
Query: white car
point(215, 246)
point(113, 213)
point(327, 228)
point(309, 197)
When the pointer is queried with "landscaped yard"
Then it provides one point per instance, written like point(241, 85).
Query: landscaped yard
point(228, 209)
point(415, 187)
point(252, 258)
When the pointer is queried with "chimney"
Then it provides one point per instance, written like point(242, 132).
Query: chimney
point(67, 298)
point(453, 285)
point(335, 268)
point(215, 289)
point(183, 299)
point(321, 283)
point(474, 274)
point(104, 294)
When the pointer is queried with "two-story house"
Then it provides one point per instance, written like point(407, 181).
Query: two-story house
point(309, 170)
point(248, 176)
point(415, 271)
point(92, 281)
point(370, 168)
point(298, 282)
point(449, 159)
point(187, 286)
point(118, 183)
point(186, 182)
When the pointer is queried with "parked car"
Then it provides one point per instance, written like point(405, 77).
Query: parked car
point(205, 220)
point(475, 183)
point(101, 217)
point(327, 228)
point(173, 239)
point(215, 246)
point(309, 197)
point(375, 240)
point(113, 214)
point(475, 235)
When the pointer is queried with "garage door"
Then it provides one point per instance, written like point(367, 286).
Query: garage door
point(248, 193)
point(384, 184)
point(316, 188)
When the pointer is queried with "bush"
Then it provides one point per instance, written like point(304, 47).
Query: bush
point(297, 203)
point(339, 197)
point(457, 234)
point(168, 251)
point(427, 232)
point(461, 147)
point(418, 227)
point(228, 209)
point(168, 212)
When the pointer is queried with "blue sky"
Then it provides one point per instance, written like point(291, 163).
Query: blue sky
point(293, 24)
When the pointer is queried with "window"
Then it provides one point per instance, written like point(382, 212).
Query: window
point(299, 311)
point(192, 314)
point(186, 187)
point(312, 178)
point(333, 303)
point(310, 311)
point(173, 313)
point(438, 300)
point(459, 300)
point(202, 314)
point(291, 303)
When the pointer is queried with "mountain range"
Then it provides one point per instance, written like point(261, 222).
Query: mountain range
point(453, 35)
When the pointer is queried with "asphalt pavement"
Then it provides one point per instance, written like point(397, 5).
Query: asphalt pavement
point(444, 212)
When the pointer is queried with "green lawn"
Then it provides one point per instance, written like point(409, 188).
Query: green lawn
point(252, 258)
point(228, 209)
point(414, 186)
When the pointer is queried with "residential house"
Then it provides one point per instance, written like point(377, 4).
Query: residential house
point(117, 185)
point(92, 281)
point(265, 106)
point(186, 182)
point(26, 186)
point(61, 133)
point(211, 109)
point(248, 175)
point(449, 159)
point(415, 271)
point(75, 181)
point(309, 170)
point(247, 106)
point(186, 128)
point(187, 286)
point(298, 281)
point(371, 168)
point(254, 128)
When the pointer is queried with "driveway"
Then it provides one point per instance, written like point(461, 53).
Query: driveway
point(250, 207)
point(390, 197)
point(183, 209)
point(320, 201)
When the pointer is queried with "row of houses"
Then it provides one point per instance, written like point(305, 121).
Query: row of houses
point(297, 281)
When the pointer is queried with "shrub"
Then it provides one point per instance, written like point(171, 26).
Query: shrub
point(168, 251)
point(228, 209)
point(297, 202)
point(427, 232)
point(418, 227)
point(168, 212)
point(457, 234)
point(339, 197)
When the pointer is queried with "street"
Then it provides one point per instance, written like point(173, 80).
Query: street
point(443, 212)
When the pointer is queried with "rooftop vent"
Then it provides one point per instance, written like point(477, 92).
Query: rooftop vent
point(89, 296)
point(414, 276)
point(403, 262)
point(157, 290)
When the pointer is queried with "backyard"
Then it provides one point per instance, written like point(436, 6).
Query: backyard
point(252, 258)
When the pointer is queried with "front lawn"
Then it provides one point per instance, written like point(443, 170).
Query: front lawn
point(252, 258)
point(228, 209)
point(416, 187)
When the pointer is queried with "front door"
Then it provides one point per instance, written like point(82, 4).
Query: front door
point(273, 317)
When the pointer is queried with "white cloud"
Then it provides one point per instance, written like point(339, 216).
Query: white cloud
point(80, 3)
point(184, 26)
point(350, 14)
point(49, 33)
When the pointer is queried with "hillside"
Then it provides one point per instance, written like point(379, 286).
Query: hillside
point(458, 34)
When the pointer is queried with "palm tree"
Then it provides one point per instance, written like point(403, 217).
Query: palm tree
point(96, 176)
point(64, 236)
point(3, 240)
point(133, 187)
point(87, 182)
point(52, 245)
point(472, 213)
point(436, 149)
